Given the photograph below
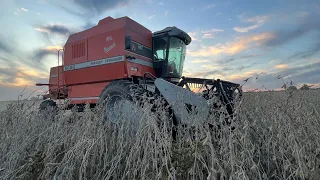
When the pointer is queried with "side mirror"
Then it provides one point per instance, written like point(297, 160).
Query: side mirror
point(128, 42)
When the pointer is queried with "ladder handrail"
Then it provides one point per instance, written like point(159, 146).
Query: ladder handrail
point(59, 72)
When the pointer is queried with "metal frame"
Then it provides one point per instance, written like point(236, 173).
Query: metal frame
point(223, 89)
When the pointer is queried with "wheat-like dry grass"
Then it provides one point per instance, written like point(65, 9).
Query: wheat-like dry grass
point(274, 135)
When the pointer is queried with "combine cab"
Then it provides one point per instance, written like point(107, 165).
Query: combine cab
point(119, 56)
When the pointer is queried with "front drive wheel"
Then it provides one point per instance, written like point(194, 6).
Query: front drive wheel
point(118, 102)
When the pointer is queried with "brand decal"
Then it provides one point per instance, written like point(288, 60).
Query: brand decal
point(109, 38)
point(69, 68)
point(94, 63)
point(107, 49)
point(111, 60)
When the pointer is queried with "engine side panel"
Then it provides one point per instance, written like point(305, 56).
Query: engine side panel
point(86, 93)
point(102, 59)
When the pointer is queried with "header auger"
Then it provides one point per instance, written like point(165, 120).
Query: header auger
point(119, 59)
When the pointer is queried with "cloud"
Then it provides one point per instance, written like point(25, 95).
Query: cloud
point(281, 66)
point(246, 29)
point(25, 10)
point(17, 12)
point(258, 22)
point(313, 50)
point(4, 47)
point(302, 14)
point(193, 36)
point(50, 50)
point(204, 34)
point(55, 29)
point(210, 71)
point(12, 57)
point(97, 7)
point(210, 33)
point(242, 67)
point(56, 33)
point(200, 61)
point(238, 45)
point(210, 6)
point(20, 76)
point(166, 13)
point(284, 36)
point(151, 17)
point(311, 24)
point(257, 19)
point(309, 73)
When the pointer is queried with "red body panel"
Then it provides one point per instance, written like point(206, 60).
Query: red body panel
point(86, 93)
point(96, 56)
point(56, 83)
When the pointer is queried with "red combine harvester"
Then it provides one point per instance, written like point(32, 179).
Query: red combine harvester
point(118, 54)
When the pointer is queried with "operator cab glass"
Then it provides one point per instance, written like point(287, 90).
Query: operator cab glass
point(176, 56)
point(160, 48)
point(169, 51)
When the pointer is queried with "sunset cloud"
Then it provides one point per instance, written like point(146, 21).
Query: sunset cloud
point(55, 29)
point(208, 34)
point(234, 47)
point(200, 61)
point(204, 34)
point(246, 29)
point(50, 50)
point(21, 76)
point(281, 66)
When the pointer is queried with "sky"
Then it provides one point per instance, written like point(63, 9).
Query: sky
point(232, 40)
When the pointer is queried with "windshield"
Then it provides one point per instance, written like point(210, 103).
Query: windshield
point(176, 56)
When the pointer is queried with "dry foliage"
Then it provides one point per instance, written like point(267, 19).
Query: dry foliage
point(274, 135)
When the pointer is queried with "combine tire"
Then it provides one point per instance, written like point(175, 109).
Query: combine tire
point(118, 98)
point(48, 109)
point(134, 97)
point(47, 104)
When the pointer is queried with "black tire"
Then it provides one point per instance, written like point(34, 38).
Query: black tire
point(115, 91)
point(115, 88)
point(124, 89)
point(47, 104)
point(48, 109)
